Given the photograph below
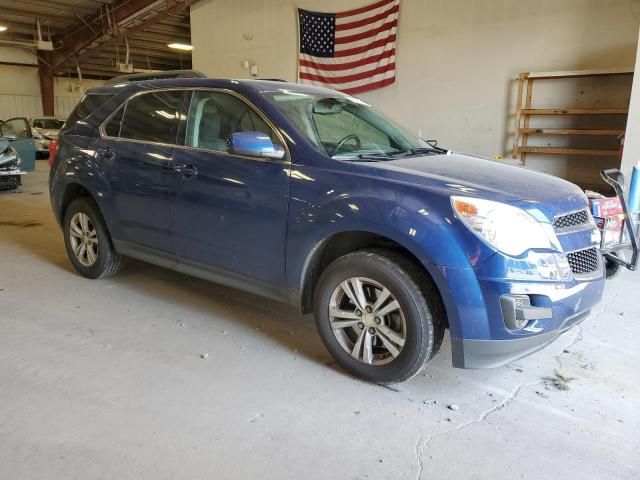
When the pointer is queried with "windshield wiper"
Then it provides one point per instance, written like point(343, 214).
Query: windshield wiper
point(365, 157)
point(429, 150)
point(373, 157)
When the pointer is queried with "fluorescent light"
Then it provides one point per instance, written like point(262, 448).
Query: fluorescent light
point(180, 46)
point(3, 28)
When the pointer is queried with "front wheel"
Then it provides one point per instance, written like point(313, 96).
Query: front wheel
point(378, 315)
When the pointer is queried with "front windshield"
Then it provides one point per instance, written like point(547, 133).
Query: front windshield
point(344, 126)
point(48, 123)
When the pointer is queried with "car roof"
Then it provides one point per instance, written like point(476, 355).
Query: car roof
point(258, 86)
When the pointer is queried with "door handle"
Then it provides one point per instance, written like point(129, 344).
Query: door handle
point(186, 170)
point(107, 153)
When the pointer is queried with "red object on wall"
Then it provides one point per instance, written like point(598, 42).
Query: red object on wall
point(609, 217)
point(607, 207)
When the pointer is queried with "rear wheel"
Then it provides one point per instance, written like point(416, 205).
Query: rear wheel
point(88, 242)
point(378, 315)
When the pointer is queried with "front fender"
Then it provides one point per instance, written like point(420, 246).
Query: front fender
point(420, 222)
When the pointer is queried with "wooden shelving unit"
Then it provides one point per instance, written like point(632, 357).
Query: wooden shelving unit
point(524, 112)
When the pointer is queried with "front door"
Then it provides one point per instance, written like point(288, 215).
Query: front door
point(21, 138)
point(139, 141)
point(230, 212)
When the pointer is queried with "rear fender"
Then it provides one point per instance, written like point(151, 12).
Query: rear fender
point(80, 167)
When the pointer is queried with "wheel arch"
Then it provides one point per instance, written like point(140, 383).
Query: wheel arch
point(342, 243)
point(71, 192)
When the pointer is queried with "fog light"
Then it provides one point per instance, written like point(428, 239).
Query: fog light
point(517, 311)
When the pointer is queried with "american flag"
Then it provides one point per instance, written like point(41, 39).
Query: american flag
point(352, 51)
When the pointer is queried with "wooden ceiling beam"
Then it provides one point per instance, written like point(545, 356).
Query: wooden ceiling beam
point(33, 15)
point(60, 6)
point(151, 50)
point(103, 22)
point(84, 40)
point(137, 62)
point(31, 26)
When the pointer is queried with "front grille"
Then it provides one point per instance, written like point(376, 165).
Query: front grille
point(584, 261)
point(570, 220)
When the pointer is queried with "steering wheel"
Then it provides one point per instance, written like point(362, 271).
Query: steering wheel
point(344, 140)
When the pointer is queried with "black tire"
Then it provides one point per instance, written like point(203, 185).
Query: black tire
point(108, 262)
point(418, 299)
point(611, 268)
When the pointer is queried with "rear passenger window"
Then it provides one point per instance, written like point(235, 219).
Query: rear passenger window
point(151, 117)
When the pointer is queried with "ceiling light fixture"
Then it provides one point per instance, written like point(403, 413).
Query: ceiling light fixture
point(3, 28)
point(180, 46)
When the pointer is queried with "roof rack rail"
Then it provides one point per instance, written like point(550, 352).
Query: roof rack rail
point(271, 80)
point(140, 77)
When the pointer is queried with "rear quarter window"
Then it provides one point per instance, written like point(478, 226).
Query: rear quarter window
point(89, 104)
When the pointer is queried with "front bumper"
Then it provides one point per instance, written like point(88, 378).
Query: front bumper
point(10, 182)
point(10, 179)
point(42, 148)
point(483, 329)
point(494, 353)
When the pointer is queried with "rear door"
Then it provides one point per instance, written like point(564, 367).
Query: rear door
point(137, 144)
point(19, 131)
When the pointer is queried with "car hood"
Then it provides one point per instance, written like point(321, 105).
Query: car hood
point(466, 175)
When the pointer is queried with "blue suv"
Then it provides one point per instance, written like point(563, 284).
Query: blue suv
point(312, 197)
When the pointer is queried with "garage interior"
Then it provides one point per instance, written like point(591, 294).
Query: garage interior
point(154, 374)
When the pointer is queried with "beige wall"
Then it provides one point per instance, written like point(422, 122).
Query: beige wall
point(20, 87)
point(456, 58)
point(632, 137)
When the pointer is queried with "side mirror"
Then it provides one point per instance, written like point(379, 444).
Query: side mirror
point(254, 144)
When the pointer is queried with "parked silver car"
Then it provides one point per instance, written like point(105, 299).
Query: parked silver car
point(44, 130)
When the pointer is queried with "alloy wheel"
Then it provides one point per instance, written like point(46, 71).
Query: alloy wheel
point(367, 321)
point(84, 239)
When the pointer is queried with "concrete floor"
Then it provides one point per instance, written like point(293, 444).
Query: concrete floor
point(105, 380)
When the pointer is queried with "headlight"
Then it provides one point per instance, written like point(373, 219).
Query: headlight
point(506, 228)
